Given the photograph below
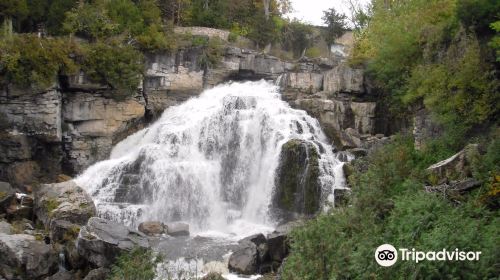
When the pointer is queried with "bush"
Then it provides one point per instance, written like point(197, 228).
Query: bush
point(313, 52)
point(137, 264)
point(29, 61)
point(119, 66)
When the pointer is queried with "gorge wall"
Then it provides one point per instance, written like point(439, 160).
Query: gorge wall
point(72, 125)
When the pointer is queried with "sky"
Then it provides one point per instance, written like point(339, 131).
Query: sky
point(311, 11)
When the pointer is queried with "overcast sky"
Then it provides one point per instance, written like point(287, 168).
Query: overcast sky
point(311, 11)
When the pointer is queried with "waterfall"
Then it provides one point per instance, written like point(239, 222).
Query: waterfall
point(209, 161)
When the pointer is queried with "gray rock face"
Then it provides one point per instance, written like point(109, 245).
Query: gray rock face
point(177, 229)
point(23, 257)
point(63, 208)
point(344, 79)
point(30, 125)
point(94, 123)
point(101, 241)
point(424, 128)
point(33, 113)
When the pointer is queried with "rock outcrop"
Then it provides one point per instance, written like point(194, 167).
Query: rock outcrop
point(63, 208)
point(456, 167)
point(70, 126)
point(101, 241)
point(298, 191)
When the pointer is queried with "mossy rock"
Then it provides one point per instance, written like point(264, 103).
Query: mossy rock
point(298, 190)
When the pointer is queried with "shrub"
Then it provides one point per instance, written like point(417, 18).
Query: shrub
point(119, 66)
point(29, 61)
point(139, 263)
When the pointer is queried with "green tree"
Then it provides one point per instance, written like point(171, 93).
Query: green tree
point(12, 9)
point(297, 37)
point(336, 25)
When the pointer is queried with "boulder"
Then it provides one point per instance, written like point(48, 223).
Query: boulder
point(244, 260)
point(177, 229)
point(455, 167)
point(152, 228)
point(259, 240)
point(65, 202)
point(22, 256)
point(97, 274)
point(297, 187)
point(101, 241)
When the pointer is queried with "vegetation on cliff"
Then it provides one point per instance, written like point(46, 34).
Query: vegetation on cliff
point(389, 205)
point(442, 55)
point(69, 32)
point(427, 52)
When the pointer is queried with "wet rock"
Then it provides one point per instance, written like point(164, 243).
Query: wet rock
point(455, 167)
point(213, 276)
point(277, 241)
point(358, 152)
point(152, 228)
point(341, 197)
point(278, 245)
point(62, 275)
point(63, 202)
point(19, 212)
point(22, 256)
point(101, 241)
point(177, 229)
point(97, 274)
point(244, 260)
point(297, 187)
point(7, 196)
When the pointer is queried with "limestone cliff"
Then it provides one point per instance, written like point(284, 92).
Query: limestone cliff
point(74, 124)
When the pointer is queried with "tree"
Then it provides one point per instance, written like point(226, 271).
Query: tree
point(10, 9)
point(336, 25)
point(297, 37)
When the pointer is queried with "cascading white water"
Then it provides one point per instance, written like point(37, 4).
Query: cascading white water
point(210, 161)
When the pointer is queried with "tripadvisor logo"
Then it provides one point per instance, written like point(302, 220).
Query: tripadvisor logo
point(387, 255)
